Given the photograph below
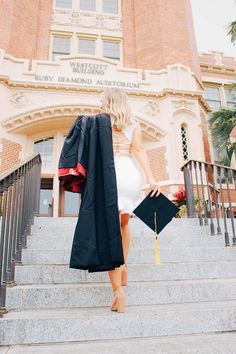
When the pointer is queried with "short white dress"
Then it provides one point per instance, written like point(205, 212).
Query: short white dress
point(129, 178)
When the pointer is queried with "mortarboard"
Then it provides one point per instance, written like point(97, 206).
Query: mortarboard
point(156, 212)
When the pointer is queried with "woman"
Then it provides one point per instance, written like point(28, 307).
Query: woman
point(127, 142)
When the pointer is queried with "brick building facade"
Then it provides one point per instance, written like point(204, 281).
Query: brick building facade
point(57, 56)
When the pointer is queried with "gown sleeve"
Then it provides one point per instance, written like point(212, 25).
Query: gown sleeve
point(72, 166)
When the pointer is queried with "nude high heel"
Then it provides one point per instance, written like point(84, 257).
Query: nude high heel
point(119, 300)
point(124, 275)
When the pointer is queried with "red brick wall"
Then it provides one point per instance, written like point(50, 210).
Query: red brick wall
point(6, 18)
point(129, 39)
point(158, 162)
point(43, 33)
point(9, 154)
point(158, 33)
point(165, 190)
point(232, 193)
point(25, 27)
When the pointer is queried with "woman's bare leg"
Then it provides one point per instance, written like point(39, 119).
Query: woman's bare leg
point(116, 280)
point(125, 234)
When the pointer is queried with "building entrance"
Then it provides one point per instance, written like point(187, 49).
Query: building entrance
point(46, 197)
point(69, 203)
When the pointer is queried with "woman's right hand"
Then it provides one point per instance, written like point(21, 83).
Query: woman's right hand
point(154, 186)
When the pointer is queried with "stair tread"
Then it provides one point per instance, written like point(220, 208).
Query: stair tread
point(87, 312)
point(134, 264)
point(165, 320)
point(212, 342)
point(136, 283)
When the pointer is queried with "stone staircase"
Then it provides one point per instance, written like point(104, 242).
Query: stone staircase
point(185, 305)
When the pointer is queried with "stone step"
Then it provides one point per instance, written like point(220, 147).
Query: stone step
point(210, 343)
point(137, 227)
point(168, 234)
point(39, 296)
point(47, 242)
point(66, 221)
point(57, 227)
point(59, 221)
point(68, 325)
point(167, 254)
point(62, 274)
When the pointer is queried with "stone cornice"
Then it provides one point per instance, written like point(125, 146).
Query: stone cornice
point(161, 94)
point(218, 69)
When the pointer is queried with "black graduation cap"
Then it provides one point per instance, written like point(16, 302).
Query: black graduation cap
point(156, 212)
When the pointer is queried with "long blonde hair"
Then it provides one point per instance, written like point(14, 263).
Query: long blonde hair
point(115, 103)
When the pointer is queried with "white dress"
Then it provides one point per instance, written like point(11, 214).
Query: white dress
point(128, 176)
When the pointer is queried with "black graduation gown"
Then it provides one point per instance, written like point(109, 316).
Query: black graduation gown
point(86, 166)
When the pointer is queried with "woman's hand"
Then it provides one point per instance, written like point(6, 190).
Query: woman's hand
point(154, 187)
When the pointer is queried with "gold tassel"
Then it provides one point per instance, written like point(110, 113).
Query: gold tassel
point(157, 253)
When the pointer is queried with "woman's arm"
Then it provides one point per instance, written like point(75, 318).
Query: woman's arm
point(139, 151)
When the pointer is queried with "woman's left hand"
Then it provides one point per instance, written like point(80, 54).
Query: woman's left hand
point(154, 186)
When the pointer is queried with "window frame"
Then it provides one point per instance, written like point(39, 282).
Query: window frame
point(111, 40)
point(99, 5)
point(64, 8)
point(111, 13)
point(222, 95)
point(214, 100)
point(62, 35)
point(228, 103)
point(184, 126)
point(88, 38)
point(92, 11)
point(38, 140)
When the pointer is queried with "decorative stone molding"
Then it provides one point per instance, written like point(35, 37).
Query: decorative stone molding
point(183, 104)
point(150, 129)
point(182, 110)
point(218, 63)
point(86, 20)
point(218, 58)
point(110, 23)
point(19, 99)
point(20, 121)
point(151, 108)
point(62, 18)
point(218, 69)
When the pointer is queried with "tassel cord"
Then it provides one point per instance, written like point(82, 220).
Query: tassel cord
point(157, 252)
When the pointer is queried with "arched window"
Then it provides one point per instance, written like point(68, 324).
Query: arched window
point(184, 138)
point(45, 148)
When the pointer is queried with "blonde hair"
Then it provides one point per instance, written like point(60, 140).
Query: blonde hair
point(115, 103)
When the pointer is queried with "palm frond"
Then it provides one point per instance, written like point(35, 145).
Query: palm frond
point(231, 27)
point(221, 124)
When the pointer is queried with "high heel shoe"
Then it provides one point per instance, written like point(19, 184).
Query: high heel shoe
point(119, 300)
point(124, 275)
